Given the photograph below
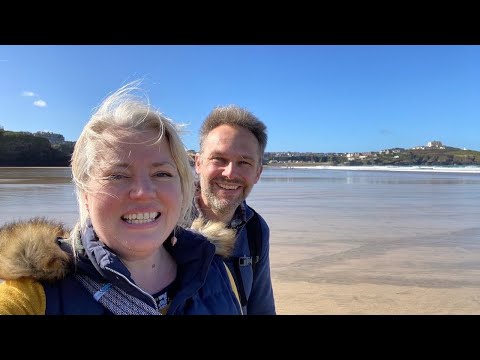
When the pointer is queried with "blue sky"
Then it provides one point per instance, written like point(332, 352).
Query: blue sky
point(319, 98)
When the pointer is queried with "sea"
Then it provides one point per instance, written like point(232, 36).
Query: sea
point(408, 227)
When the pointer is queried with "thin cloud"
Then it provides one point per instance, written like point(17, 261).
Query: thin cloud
point(40, 103)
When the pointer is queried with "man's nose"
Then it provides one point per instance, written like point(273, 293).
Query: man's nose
point(229, 170)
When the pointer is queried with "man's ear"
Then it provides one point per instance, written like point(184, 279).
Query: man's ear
point(259, 173)
point(198, 162)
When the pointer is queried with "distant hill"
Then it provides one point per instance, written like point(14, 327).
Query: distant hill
point(26, 149)
point(50, 149)
point(445, 156)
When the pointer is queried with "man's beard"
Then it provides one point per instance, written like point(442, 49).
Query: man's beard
point(217, 204)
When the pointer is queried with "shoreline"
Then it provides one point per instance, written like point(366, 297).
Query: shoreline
point(413, 168)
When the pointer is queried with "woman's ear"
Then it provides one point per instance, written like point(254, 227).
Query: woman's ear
point(85, 200)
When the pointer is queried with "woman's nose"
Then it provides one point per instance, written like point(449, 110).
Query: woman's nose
point(142, 187)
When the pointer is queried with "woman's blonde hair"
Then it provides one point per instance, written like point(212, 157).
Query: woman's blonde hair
point(124, 110)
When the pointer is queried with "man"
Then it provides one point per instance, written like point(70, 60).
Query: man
point(229, 164)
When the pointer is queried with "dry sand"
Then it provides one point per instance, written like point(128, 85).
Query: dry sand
point(308, 280)
point(304, 298)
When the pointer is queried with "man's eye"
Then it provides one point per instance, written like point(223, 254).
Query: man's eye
point(218, 160)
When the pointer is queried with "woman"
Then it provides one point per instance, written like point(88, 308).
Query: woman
point(129, 253)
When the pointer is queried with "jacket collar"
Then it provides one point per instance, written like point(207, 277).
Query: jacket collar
point(49, 253)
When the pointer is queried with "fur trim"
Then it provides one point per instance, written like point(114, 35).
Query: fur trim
point(222, 237)
point(29, 249)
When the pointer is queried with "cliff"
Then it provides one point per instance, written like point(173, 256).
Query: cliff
point(23, 149)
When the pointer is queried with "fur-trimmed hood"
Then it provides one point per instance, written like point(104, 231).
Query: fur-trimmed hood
point(29, 248)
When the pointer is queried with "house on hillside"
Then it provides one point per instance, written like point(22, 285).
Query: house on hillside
point(435, 144)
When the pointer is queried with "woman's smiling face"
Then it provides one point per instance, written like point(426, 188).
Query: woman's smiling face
point(135, 195)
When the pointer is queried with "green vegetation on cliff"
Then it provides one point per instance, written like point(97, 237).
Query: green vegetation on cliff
point(437, 157)
point(24, 149)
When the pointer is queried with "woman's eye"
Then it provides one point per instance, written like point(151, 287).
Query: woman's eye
point(115, 177)
point(163, 174)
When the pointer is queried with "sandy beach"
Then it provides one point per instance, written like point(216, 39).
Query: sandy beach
point(351, 288)
point(304, 298)
point(341, 242)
